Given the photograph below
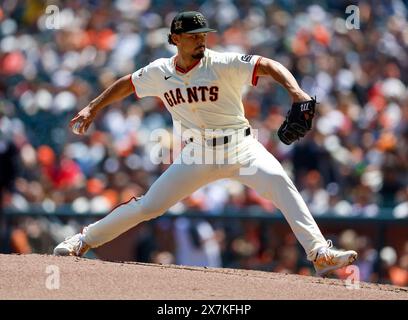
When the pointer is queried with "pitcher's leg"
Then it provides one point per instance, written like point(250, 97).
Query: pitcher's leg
point(270, 181)
point(177, 182)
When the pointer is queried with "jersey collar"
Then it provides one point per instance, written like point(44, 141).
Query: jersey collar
point(184, 71)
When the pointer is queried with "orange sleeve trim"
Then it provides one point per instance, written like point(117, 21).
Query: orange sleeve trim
point(254, 77)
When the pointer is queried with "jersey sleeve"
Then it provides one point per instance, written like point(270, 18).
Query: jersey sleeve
point(144, 81)
point(242, 68)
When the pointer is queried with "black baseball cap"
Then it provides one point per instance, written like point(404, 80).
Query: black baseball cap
point(190, 22)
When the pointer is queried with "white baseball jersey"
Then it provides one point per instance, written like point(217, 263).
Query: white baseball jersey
point(207, 96)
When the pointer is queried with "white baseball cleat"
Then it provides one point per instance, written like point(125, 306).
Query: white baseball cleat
point(329, 259)
point(72, 246)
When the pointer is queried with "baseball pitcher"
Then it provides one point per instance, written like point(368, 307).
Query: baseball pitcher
point(202, 89)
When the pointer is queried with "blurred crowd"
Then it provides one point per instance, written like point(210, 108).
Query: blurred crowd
point(56, 56)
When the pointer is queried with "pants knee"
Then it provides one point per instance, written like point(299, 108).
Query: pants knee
point(149, 209)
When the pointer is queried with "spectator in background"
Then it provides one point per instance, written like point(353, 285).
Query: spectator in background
point(337, 204)
point(401, 210)
point(196, 243)
point(399, 272)
point(390, 186)
point(288, 259)
point(364, 202)
point(388, 259)
point(8, 167)
point(316, 197)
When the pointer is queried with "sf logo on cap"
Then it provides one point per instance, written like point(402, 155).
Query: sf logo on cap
point(199, 19)
point(178, 25)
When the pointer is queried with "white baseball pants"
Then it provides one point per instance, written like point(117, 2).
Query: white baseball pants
point(249, 163)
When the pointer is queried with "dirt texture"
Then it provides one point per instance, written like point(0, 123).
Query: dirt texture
point(48, 277)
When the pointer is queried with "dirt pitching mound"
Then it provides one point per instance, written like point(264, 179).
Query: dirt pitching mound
point(48, 277)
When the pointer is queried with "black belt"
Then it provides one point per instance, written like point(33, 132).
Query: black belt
point(222, 140)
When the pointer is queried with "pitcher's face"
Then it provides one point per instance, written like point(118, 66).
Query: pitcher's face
point(192, 44)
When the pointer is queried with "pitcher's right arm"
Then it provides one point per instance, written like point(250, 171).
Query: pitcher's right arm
point(118, 90)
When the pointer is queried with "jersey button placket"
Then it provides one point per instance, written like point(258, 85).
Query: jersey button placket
point(187, 80)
